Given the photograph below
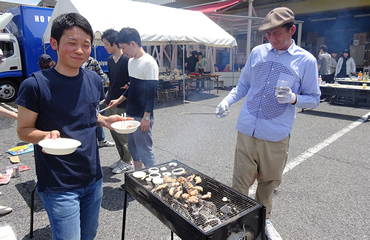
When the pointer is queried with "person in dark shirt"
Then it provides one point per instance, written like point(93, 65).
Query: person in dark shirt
point(191, 62)
point(118, 84)
point(62, 102)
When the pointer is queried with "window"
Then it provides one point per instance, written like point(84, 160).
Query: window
point(7, 48)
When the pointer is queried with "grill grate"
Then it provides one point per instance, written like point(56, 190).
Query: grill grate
point(207, 216)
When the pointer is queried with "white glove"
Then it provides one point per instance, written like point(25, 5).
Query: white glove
point(285, 95)
point(222, 109)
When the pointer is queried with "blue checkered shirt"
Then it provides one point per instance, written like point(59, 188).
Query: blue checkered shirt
point(261, 115)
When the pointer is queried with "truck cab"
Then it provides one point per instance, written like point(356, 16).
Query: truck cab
point(10, 67)
point(21, 30)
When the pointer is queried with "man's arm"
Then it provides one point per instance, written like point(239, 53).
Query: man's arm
point(6, 113)
point(27, 130)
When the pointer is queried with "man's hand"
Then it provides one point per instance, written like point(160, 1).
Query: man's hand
point(222, 109)
point(285, 95)
point(107, 121)
point(145, 125)
point(113, 103)
point(53, 135)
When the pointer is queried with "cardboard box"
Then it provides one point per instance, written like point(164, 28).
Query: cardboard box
point(355, 36)
point(362, 37)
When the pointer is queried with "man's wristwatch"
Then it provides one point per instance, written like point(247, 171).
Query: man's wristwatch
point(147, 118)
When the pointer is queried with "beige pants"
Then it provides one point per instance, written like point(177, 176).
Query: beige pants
point(120, 139)
point(261, 160)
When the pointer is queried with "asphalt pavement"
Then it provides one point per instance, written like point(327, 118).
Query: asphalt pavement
point(324, 193)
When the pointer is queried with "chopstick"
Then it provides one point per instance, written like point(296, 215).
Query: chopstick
point(199, 113)
point(100, 111)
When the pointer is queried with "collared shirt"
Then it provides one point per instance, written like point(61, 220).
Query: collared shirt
point(262, 116)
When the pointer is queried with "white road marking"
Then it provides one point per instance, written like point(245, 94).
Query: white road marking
point(315, 149)
point(9, 107)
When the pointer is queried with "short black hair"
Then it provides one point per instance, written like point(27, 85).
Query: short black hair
point(288, 25)
point(127, 35)
point(193, 53)
point(324, 48)
point(111, 36)
point(67, 21)
point(200, 53)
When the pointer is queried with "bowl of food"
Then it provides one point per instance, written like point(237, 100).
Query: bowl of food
point(126, 127)
point(59, 146)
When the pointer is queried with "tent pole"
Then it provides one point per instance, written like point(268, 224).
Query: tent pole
point(299, 39)
point(183, 72)
point(232, 68)
point(250, 9)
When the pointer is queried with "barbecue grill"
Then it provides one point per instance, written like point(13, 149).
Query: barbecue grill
point(227, 214)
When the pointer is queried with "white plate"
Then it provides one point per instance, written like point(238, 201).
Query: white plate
point(59, 146)
point(139, 174)
point(125, 127)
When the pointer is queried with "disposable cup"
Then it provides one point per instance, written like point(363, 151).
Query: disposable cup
point(281, 84)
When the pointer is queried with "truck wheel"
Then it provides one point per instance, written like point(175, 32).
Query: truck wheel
point(8, 91)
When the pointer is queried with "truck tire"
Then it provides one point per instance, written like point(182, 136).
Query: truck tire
point(8, 91)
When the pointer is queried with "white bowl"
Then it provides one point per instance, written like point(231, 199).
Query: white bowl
point(127, 127)
point(59, 146)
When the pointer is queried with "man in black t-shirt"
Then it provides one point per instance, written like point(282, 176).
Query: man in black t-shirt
point(118, 84)
point(191, 62)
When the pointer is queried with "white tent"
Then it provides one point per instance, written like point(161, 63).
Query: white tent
point(157, 25)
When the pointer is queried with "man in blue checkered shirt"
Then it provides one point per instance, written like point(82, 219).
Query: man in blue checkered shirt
point(267, 115)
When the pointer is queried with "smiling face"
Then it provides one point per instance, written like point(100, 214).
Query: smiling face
point(73, 49)
point(280, 38)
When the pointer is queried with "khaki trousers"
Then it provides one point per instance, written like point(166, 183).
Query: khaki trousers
point(261, 160)
point(120, 139)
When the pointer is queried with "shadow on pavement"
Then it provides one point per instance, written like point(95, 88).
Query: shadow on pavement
point(25, 190)
point(40, 234)
point(313, 112)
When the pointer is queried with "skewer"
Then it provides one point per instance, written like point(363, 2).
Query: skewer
point(200, 104)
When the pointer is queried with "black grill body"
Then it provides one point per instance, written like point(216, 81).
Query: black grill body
point(249, 215)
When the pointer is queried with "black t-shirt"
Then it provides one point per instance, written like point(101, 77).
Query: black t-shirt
point(66, 104)
point(118, 77)
point(192, 62)
point(343, 70)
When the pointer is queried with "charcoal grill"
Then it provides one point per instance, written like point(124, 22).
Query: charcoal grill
point(244, 216)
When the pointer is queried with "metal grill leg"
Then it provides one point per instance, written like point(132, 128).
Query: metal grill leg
point(32, 211)
point(263, 223)
point(171, 235)
point(124, 214)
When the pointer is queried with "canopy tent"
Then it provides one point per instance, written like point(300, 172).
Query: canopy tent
point(157, 25)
